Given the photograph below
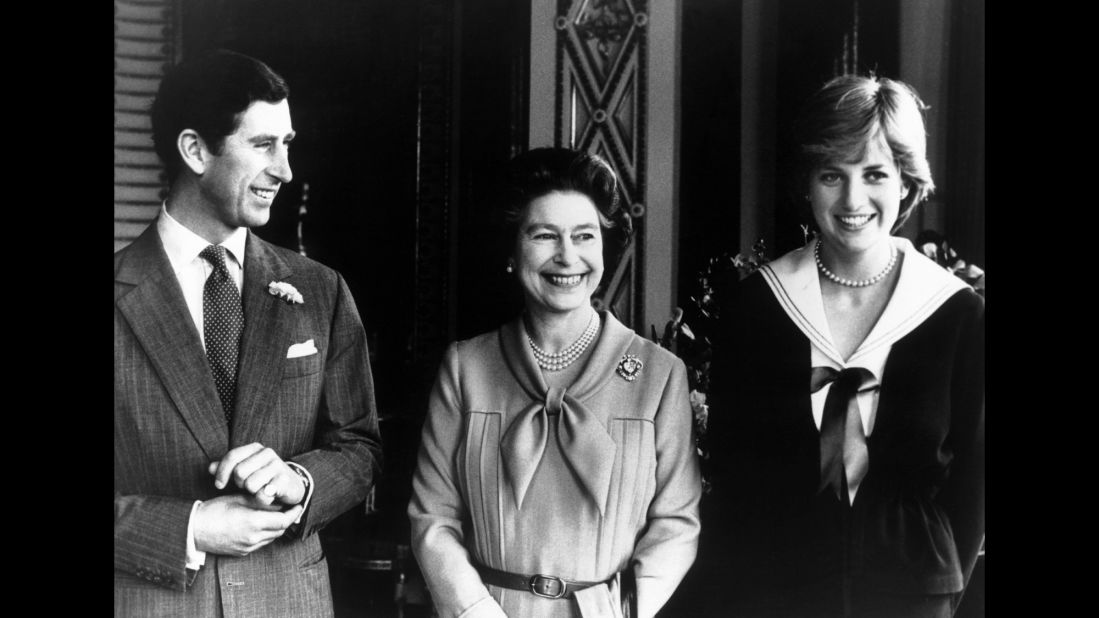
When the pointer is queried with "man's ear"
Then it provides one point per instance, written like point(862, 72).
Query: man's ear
point(192, 149)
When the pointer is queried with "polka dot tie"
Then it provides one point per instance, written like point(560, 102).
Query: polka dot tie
point(222, 324)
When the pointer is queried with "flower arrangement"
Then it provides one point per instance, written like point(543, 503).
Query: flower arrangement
point(694, 345)
point(935, 246)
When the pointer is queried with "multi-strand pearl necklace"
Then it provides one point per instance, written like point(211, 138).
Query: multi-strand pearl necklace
point(855, 284)
point(564, 358)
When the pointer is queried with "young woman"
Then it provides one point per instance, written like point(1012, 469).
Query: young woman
point(849, 396)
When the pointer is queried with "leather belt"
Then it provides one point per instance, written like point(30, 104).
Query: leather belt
point(547, 586)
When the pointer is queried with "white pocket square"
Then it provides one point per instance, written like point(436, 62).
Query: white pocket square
point(301, 349)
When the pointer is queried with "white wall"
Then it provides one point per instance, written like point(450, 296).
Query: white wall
point(660, 251)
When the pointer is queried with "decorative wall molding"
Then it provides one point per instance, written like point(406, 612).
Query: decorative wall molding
point(601, 107)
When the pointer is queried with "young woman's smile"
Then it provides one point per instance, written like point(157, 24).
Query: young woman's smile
point(856, 203)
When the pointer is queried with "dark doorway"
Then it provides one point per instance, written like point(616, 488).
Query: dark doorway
point(709, 181)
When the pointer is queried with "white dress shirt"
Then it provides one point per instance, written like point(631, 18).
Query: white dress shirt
point(183, 246)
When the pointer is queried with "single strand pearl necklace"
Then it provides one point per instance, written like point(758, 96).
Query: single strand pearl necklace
point(855, 284)
point(564, 358)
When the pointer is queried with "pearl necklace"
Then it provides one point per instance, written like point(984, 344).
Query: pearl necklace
point(855, 284)
point(564, 358)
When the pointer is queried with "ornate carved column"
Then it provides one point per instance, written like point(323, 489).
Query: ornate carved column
point(603, 102)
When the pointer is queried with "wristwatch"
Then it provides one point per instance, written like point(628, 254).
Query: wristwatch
point(302, 475)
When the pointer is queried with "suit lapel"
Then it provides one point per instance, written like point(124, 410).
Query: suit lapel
point(157, 314)
point(266, 337)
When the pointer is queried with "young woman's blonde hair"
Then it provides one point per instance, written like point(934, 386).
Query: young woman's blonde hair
point(851, 112)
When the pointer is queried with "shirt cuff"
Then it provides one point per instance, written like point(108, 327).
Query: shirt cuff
point(195, 558)
point(308, 480)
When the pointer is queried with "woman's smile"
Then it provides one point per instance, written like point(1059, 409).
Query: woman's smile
point(563, 281)
point(559, 253)
point(854, 223)
point(856, 202)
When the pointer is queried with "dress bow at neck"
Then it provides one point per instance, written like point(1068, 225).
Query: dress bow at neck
point(585, 445)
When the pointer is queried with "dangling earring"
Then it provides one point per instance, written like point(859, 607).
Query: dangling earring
point(510, 267)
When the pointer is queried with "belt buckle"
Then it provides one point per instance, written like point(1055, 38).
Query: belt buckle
point(537, 582)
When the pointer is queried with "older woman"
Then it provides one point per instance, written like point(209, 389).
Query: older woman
point(557, 473)
point(852, 388)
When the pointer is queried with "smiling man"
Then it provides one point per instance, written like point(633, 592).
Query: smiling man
point(244, 407)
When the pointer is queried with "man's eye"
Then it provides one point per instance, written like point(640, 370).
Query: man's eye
point(584, 237)
point(545, 236)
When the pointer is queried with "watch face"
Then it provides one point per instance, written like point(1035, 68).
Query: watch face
point(301, 474)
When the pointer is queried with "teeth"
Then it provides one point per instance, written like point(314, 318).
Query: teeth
point(264, 193)
point(565, 281)
point(855, 220)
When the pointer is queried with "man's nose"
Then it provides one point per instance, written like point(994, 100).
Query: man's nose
point(280, 167)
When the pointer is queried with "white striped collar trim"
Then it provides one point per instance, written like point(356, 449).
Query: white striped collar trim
point(922, 288)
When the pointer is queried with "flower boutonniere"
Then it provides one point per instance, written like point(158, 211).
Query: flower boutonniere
point(286, 292)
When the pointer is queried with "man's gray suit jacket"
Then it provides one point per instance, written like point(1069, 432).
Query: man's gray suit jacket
point(316, 410)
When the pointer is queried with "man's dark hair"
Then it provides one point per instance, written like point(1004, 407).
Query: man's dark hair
point(208, 94)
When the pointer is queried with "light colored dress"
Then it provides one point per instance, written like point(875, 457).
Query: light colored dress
point(580, 483)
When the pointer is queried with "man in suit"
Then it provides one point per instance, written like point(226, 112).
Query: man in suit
point(244, 407)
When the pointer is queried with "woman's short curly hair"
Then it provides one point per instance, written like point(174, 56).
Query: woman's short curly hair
point(851, 112)
point(540, 171)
